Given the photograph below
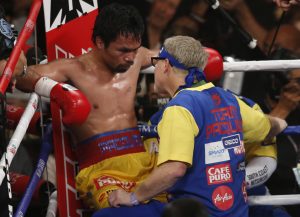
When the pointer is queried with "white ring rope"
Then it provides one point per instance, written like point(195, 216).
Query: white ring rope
point(19, 133)
point(6, 171)
point(52, 207)
point(261, 65)
point(290, 199)
point(243, 66)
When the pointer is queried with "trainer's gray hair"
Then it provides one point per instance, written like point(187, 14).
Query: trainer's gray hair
point(187, 51)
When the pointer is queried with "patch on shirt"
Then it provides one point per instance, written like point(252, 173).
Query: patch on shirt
point(223, 197)
point(215, 153)
point(238, 150)
point(217, 174)
point(103, 181)
point(258, 177)
point(231, 141)
point(234, 142)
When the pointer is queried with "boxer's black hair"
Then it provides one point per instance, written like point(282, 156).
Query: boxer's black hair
point(118, 20)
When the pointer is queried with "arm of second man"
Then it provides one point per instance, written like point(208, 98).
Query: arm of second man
point(162, 178)
point(258, 127)
point(172, 162)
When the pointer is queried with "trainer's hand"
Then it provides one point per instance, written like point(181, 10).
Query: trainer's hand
point(75, 106)
point(119, 197)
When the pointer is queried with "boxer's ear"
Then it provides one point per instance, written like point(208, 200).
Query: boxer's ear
point(99, 42)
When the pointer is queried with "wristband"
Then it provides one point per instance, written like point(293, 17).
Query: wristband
point(133, 200)
point(44, 86)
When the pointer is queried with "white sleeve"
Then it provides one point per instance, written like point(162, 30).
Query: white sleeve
point(259, 170)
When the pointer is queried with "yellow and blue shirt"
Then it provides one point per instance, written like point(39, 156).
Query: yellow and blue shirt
point(206, 128)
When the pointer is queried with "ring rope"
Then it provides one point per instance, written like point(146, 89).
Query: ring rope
point(291, 199)
point(37, 174)
point(245, 66)
point(19, 133)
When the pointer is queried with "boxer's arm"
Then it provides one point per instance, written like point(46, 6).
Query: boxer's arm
point(57, 70)
point(142, 61)
point(144, 56)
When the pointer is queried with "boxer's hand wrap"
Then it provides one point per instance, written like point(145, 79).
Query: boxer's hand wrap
point(214, 67)
point(74, 104)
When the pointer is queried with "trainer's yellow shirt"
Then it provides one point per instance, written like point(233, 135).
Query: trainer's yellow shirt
point(261, 149)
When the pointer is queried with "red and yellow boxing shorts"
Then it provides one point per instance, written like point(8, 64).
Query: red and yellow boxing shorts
point(113, 160)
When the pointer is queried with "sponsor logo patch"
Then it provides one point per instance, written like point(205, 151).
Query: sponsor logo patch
point(223, 197)
point(231, 141)
point(239, 150)
point(215, 153)
point(218, 174)
point(103, 181)
point(258, 177)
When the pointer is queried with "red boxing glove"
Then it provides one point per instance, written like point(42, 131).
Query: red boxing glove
point(74, 104)
point(14, 114)
point(19, 185)
point(214, 67)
